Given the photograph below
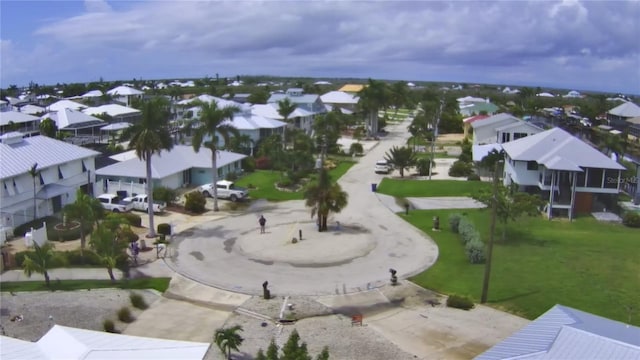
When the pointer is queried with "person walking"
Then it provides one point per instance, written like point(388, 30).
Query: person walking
point(262, 221)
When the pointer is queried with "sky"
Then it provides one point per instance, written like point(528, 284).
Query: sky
point(570, 44)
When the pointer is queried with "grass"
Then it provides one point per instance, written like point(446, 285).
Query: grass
point(264, 182)
point(430, 188)
point(584, 264)
point(159, 284)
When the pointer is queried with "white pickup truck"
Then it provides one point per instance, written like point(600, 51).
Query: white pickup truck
point(141, 202)
point(226, 190)
point(112, 202)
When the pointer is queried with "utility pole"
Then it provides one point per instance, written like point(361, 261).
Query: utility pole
point(435, 136)
point(492, 232)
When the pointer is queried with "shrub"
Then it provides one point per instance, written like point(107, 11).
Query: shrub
point(58, 260)
point(466, 229)
point(137, 301)
point(465, 157)
point(356, 149)
point(473, 177)
point(74, 258)
point(475, 251)
point(165, 194)
point(422, 166)
point(124, 315)
point(195, 202)
point(461, 169)
point(133, 219)
point(19, 231)
point(454, 221)
point(263, 163)
point(232, 176)
point(631, 219)
point(460, 302)
point(126, 234)
point(164, 229)
point(248, 164)
point(109, 326)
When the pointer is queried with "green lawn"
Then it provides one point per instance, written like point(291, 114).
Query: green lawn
point(264, 181)
point(430, 188)
point(160, 284)
point(585, 264)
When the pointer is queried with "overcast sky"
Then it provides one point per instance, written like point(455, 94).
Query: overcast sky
point(582, 45)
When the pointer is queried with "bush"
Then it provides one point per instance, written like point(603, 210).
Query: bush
point(109, 326)
point(69, 234)
point(356, 149)
point(248, 164)
point(59, 258)
point(74, 258)
point(137, 301)
point(124, 315)
point(631, 219)
point(232, 176)
point(473, 177)
point(195, 202)
point(465, 157)
point(19, 231)
point(475, 251)
point(466, 229)
point(126, 234)
point(460, 302)
point(454, 221)
point(461, 169)
point(263, 163)
point(422, 166)
point(133, 219)
point(164, 229)
point(165, 194)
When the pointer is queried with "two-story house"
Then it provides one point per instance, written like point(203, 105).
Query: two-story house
point(308, 106)
point(572, 176)
point(61, 169)
point(17, 121)
point(125, 94)
point(618, 116)
point(501, 128)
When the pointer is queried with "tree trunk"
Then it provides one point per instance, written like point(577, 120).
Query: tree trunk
point(214, 169)
point(324, 222)
point(504, 232)
point(110, 271)
point(152, 229)
point(82, 242)
point(46, 278)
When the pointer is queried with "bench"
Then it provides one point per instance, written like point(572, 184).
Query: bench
point(356, 320)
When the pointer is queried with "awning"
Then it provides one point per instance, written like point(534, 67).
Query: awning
point(52, 190)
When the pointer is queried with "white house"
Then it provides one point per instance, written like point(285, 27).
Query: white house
point(485, 131)
point(569, 174)
point(75, 121)
point(117, 112)
point(618, 116)
point(568, 333)
point(62, 167)
point(309, 105)
point(32, 109)
point(17, 121)
point(340, 99)
point(516, 131)
point(65, 104)
point(125, 94)
point(179, 167)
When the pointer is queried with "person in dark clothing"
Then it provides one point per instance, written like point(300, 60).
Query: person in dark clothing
point(262, 221)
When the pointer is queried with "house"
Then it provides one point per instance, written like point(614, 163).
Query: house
point(32, 109)
point(65, 104)
point(118, 113)
point(340, 99)
point(18, 121)
point(633, 127)
point(4, 106)
point(573, 94)
point(567, 333)
point(352, 88)
point(63, 342)
point(493, 129)
point(516, 131)
point(62, 167)
point(545, 94)
point(255, 126)
point(125, 94)
point(471, 100)
point(573, 177)
point(308, 106)
point(179, 167)
point(466, 123)
point(477, 108)
point(92, 94)
point(75, 121)
point(618, 116)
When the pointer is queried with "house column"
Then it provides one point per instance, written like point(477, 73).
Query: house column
point(573, 195)
point(553, 181)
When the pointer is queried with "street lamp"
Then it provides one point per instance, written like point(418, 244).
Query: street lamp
point(435, 136)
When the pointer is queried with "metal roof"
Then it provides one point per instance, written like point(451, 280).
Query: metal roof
point(92, 93)
point(497, 118)
point(544, 147)
point(266, 110)
point(518, 124)
point(111, 110)
point(254, 122)
point(180, 158)
point(339, 97)
point(124, 91)
point(32, 109)
point(627, 110)
point(17, 158)
point(301, 99)
point(14, 116)
point(567, 333)
point(65, 104)
point(73, 119)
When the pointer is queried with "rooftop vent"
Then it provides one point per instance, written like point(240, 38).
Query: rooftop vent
point(13, 137)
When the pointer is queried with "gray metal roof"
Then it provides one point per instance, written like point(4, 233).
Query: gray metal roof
point(627, 109)
point(567, 333)
point(14, 116)
point(67, 119)
point(497, 118)
point(180, 158)
point(301, 99)
point(518, 124)
point(545, 147)
point(17, 158)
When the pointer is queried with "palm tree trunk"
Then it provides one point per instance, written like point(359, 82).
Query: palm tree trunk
point(152, 229)
point(35, 216)
point(83, 241)
point(110, 271)
point(46, 278)
point(214, 169)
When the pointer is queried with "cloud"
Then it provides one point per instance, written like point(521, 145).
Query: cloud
point(317, 37)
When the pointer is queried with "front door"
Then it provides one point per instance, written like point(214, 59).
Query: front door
point(57, 204)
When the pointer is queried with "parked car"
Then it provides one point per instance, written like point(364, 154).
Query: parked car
point(226, 190)
point(141, 202)
point(112, 202)
point(382, 167)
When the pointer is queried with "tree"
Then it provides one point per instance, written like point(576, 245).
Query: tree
point(613, 143)
point(285, 109)
point(373, 97)
point(48, 128)
point(401, 158)
point(260, 96)
point(326, 128)
point(212, 121)
point(151, 136)
point(85, 210)
point(399, 95)
point(324, 197)
point(39, 261)
point(107, 245)
point(34, 172)
point(292, 350)
point(228, 339)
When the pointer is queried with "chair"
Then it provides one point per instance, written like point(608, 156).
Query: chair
point(356, 320)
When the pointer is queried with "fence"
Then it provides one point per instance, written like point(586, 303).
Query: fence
point(112, 187)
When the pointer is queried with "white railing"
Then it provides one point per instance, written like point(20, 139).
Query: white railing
point(129, 186)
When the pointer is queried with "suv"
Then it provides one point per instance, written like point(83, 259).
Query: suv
point(225, 189)
point(382, 167)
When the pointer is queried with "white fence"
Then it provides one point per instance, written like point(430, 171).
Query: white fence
point(112, 187)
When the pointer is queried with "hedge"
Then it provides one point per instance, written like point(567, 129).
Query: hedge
point(19, 231)
point(631, 219)
point(132, 219)
point(475, 251)
point(460, 302)
point(68, 235)
point(454, 222)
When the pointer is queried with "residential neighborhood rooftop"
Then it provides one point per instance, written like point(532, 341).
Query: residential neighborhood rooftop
point(111, 110)
point(627, 109)
point(339, 97)
point(7, 117)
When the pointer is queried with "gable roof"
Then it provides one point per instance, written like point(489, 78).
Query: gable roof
point(92, 93)
point(67, 119)
point(471, 119)
point(352, 88)
point(62, 342)
point(65, 104)
point(339, 97)
point(497, 118)
point(518, 124)
point(178, 159)
point(17, 158)
point(558, 150)
point(32, 109)
point(266, 110)
point(14, 116)
point(250, 121)
point(111, 109)
point(567, 333)
point(626, 109)
point(298, 99)
point(124, 91)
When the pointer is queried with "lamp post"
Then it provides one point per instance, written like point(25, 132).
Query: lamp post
point(492, 231)
point(435, 136)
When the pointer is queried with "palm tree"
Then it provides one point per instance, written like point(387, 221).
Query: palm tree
point(285, 108)
point(399, 95)
point(85, 210)
point(108, 247)
point(401, 157)
point(39, 261)
point(324, 197)
point(48, 128)
point(33, 171)
point(373, 97)
point(228, 339)
point(151, 136)
point(212, 121)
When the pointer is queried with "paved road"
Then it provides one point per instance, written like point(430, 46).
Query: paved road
point(230, 253)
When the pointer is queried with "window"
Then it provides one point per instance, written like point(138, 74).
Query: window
point(532, 165)
point(84, 168)
point(517, 136)
point(506, 137)
point(60, 173)
point(41, 179)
